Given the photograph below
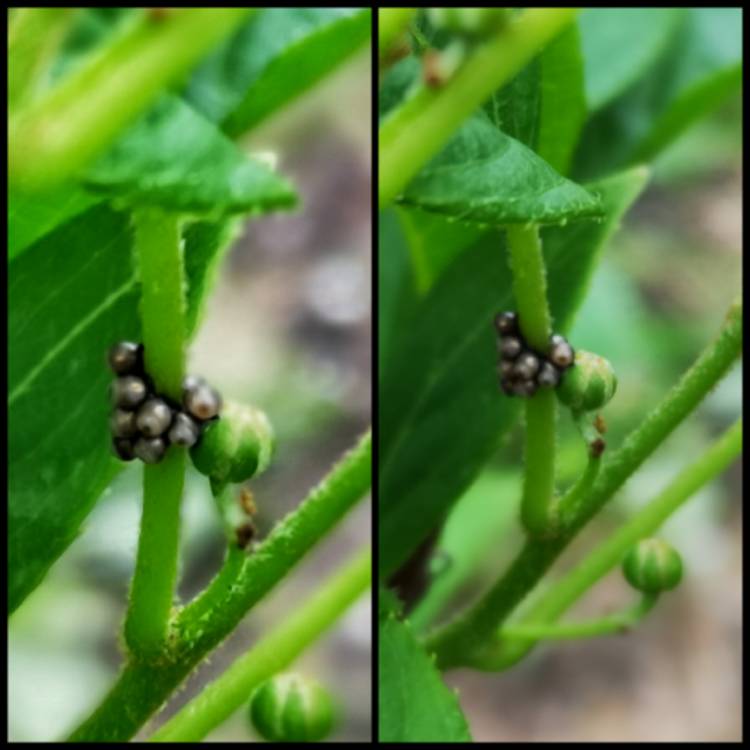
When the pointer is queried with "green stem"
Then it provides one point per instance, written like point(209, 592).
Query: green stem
point(538, 510)
point(159, 255)
point(275, 652)
point(57, 135)
point(423, 124)
point(34, 36)
point(554, 602)
point(532, 632)
point(144, 687)
point(457, 640)
point(392, 23)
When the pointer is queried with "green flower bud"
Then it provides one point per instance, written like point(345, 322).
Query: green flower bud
point(472, 22)
point(652, 566)
point(292, 708)
point(236, 446)
point(589, 384)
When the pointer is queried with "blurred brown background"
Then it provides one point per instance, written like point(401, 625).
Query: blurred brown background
point(287, 328)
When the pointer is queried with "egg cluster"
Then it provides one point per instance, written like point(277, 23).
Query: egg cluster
point(521, 370)
point(144, 423)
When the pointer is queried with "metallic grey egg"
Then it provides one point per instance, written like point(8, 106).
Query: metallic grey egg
point(561, 352)
point(526, 366)
point(123, 449)
point(506, 322)
point(122, 423)
point(202, 401)
point(510, 347)
point(184, 430)
point(127, 391)
point(154, 417)
point(549, 376)
point(125, 358)
point(150, 450)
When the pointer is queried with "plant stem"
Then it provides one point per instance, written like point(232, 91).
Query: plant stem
point(276, 651)
point(530, 292)
point(392, 22)
point(58, 134)
point(472, 630)
point(531, 632)
point(218, 608)
point(610, 553)
point(33, 38)
point(423, 124)
point(159, 255)
point(144, 687)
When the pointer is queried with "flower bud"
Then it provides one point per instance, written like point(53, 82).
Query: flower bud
point(652, 566)
point(292, 708)
point(236, 446)
point(589, 384)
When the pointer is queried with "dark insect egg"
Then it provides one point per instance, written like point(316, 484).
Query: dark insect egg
point(549, 375)
point(122, 423)
point(526, 366)
point(150, 450)
point(125, 358)
point(507, 385)
point(154, 417)
point(510, 347)
point(184, 430)
point(201, 401)
point(123, 449)
point(561, 352)
point(505, 367)
point(128, 391)
point(506, 322)
point(524, 388)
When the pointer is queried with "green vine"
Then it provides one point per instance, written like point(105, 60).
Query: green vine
point(202, 625)
point(273, 653)
point(530, 292)
point(158, 251)
point(555, 601)
point(455, 643)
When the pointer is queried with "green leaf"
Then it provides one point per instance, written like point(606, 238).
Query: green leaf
point(272, 59)
point(32, 216)
point(70, 296)
point(563, 102)
point(441, 413)
point(487, 177)
point(700, 69)
point(174, 158)
point(397, 292)
point(474, 531)
point(620, 45)
point(414, 703)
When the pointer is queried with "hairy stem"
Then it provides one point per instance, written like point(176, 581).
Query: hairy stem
point(58, 134)
point(611, 552)
point(456, 641)
point(530, 292)
point(203, 625)
point(159, 256)
point(273, 653)
point(422, 125)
